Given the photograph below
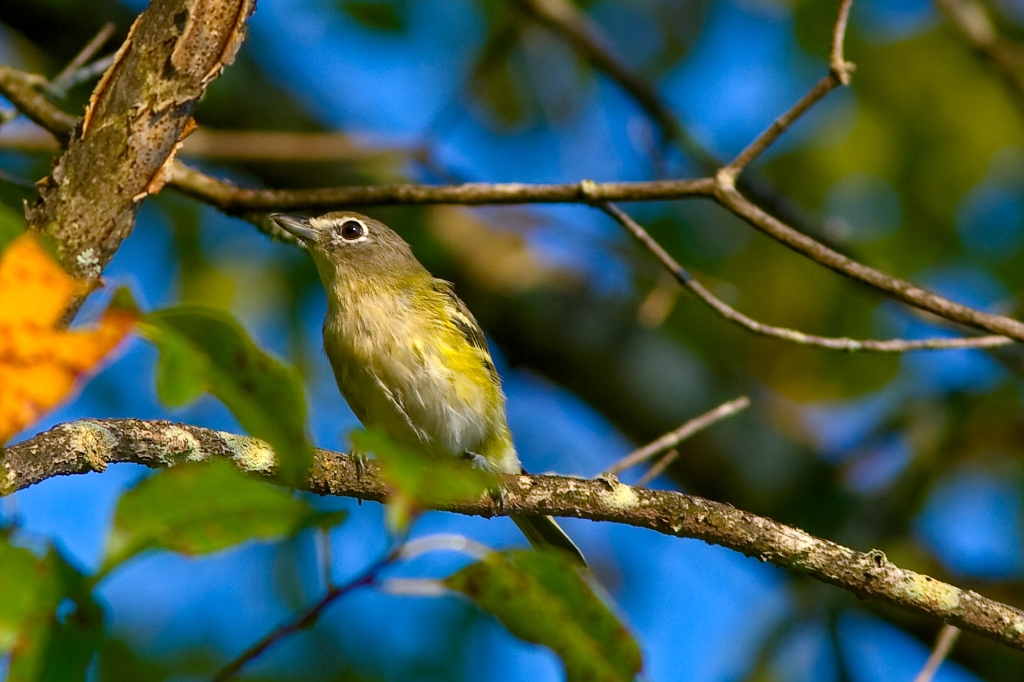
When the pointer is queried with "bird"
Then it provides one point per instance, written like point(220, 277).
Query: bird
point(408, 355)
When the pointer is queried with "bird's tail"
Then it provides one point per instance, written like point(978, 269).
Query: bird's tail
point(544, 532)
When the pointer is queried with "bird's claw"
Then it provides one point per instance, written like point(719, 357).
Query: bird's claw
point(359, 460)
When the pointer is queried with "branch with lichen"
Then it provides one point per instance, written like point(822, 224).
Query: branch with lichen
point(90, 445)
point(122, 148)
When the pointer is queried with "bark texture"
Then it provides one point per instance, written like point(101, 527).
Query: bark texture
point(136, 118)
point(90, 445)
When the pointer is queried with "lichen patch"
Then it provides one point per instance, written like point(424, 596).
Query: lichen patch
point(620, 496)
point(93, 441)
point(8, 484)
point(929, 590)
point(180, 444)
point(250, 454)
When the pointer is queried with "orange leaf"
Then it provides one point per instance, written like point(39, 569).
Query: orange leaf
point(39, 364)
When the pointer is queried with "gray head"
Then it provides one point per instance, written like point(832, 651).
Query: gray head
point(348, 244)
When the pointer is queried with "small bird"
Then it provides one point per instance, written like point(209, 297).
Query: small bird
point(408, 355)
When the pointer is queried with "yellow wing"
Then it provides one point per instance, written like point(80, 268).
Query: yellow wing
point(468, 327)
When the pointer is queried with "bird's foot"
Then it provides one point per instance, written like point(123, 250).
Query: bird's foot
point(359, 460)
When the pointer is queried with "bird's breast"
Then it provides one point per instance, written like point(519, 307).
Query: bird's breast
point(398, 369)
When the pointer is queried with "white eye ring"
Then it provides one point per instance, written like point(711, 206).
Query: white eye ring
point(353, 231)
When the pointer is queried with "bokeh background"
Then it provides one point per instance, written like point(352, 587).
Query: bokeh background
point(917, 168)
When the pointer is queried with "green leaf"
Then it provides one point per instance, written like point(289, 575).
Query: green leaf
point(199, 508)
point(118, 662)
point(12, 224)
point(204, 349)
point(419, 481)
point(59, 634)
point(380, 16)
point(20, 579)
point(540, 598)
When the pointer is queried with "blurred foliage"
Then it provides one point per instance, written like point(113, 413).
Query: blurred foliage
point(11, 225)
point(916, 169)
point(541, 598)
point(205, 507)
point(51, 625)
point(205, 349)
point(418, 482)
point(383, 16)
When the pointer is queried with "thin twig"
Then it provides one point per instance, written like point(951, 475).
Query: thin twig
point(60, 82)
point(675, 437)
point(83, 75)
point(658, 467)
point(837, 62)
point(323, 541)
point(21, 183)
point(943, 643)
point(972, 21)
point(307, 618)
point(566, 20)
point(728, 174)
point(896, 288)
point(791, 335)
point(839, 74)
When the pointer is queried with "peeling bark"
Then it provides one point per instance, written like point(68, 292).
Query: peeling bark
point(136, 118)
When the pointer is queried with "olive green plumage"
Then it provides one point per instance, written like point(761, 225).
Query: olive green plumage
point(407, 354)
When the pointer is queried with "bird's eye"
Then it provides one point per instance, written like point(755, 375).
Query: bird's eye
point(352, 230)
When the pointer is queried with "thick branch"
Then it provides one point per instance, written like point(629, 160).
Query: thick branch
point(137, 115)
point(83, 446)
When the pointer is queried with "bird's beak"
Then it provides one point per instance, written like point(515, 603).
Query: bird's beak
point(299, 227)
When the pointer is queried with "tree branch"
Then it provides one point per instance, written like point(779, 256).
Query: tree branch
point(729, 313)
point(245, 202)
point(24, 91)
point(839, 74)
point(237, 200)
point(566, 20)
point(677, 436)
point(972, 21)
point(90, 445)
point(896, 288)
point(136, 117)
